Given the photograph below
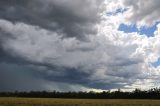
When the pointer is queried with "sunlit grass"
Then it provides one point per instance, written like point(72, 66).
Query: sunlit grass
point(75, 102)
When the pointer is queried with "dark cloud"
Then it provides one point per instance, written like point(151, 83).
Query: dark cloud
point(31, 77)
point(27, 77)
point(15, 77)
point(73, 18)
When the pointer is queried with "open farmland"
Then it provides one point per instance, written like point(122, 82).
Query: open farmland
point(75, 102)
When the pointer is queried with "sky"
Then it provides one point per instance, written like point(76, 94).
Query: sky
point(79, 45)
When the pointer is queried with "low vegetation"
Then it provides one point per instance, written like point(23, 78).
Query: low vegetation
point(11, 101)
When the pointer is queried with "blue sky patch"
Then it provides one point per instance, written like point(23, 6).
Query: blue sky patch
point(157, 63)
point(149, 31)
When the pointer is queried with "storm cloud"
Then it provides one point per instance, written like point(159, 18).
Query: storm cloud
point(73, 18)
point(71, 45)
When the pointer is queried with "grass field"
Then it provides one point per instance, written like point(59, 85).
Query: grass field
point(75, 102)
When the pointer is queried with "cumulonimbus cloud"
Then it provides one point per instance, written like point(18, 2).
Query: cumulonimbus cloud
point(55, 47)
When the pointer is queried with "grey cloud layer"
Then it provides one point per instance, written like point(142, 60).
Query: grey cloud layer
point(143, 12)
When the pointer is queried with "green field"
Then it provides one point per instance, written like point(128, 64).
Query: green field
point(75, 102)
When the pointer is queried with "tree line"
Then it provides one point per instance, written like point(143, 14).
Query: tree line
point(136, 94)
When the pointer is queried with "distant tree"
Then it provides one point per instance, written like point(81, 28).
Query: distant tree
point(153, 93)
